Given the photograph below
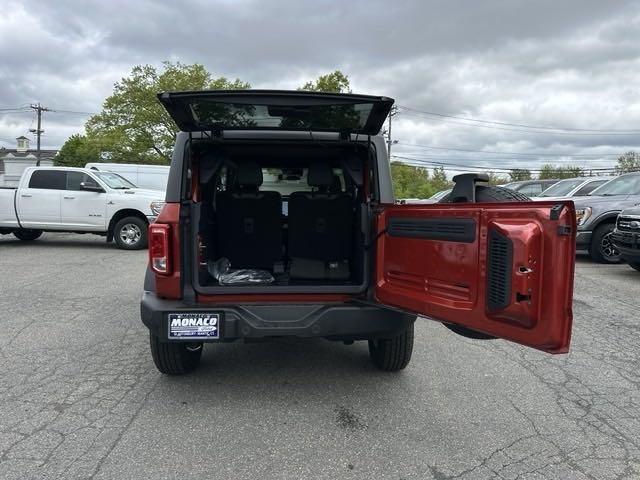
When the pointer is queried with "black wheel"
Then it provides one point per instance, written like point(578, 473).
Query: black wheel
point(130, 233)
point(175, 358)
point(635, 265)
point(602, 249)
point(27, 235)
point(392, 354)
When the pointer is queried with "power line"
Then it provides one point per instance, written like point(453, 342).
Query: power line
point(532, 154)
point(419, 164)
point(453, 159)
point(74, 112)
point(521, 125)
point(53, 110)
point(429, 161)
point(435, 156)
point(607, 133)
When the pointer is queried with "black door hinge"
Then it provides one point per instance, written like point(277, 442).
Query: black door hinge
point(555, 212)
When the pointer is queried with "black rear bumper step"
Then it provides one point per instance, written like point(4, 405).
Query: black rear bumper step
point(337, 320)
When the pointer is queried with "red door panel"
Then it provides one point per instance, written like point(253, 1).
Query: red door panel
point(504, 269)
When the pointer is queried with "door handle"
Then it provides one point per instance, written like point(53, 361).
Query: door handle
point(25, 195)
point(69, 198)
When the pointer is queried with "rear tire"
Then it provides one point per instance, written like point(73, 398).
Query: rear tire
point(27, 235)
point(635, 265)
point(175, 358)
point(602, 249)
point(392, 354)
point(130, 233)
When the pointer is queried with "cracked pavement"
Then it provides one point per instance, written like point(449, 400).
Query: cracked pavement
point(80, 397)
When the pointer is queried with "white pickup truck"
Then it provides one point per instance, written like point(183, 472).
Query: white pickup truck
point(64, 199)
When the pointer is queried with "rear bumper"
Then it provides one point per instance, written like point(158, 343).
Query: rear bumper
point(628, 243)
point(350, 321)
point(583, 240)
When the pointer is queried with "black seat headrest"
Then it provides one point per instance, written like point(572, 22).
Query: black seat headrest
point(249, 175)
point(320, 175)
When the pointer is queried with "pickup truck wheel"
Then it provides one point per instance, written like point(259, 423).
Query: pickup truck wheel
point(27, 235)
point(392, 354)
point(602, 249)
point(635, 265)
point(175, 358)
point(130, 233)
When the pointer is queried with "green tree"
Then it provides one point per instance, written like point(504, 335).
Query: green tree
point(334, 82)
point(628, 162)
point(550, 172)
point(518, 174)
point(410, 181)
point(570, 172)
point(497, 178)
point(547, 172)
point(77, 151)
point(440, 180)
point(133, 126)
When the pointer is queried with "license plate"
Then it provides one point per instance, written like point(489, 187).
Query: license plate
point(194, 325)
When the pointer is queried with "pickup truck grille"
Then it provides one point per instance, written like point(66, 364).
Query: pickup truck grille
point(629, 224)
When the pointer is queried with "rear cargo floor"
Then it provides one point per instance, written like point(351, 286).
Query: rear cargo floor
point(284, 280)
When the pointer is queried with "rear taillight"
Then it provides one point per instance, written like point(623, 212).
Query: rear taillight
point(159, 249)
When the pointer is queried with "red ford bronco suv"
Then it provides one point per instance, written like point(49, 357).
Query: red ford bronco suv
point(280, 221)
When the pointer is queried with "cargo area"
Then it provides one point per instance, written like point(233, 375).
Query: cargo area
point(280, 216)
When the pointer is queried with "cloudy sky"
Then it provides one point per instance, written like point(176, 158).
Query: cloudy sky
point(543, 81)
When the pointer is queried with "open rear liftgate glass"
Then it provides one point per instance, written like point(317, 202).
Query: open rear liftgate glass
point(504, 269)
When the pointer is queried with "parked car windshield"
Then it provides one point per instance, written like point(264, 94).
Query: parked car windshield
point(114, 180)
point(440, 194)
point(624, 185)
point(562, 188)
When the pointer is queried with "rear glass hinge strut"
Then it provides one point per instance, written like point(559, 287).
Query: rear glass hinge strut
point(216, 131)
point(345, 135)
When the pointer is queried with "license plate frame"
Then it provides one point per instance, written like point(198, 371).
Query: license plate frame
point(193, 325)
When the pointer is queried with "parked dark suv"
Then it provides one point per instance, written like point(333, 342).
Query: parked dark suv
point(280, 221)
point(597, 213)
point(626, 236)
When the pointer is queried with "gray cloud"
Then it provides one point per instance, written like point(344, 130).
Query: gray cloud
point(572, 63)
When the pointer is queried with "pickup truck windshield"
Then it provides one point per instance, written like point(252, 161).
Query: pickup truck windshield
point(624, 185)
point(114, 180)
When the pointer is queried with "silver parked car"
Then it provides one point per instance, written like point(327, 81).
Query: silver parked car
point(530, 188)
point(572, 187)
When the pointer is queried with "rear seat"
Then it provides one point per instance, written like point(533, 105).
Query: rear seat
point(320, 227)
point(249, 222)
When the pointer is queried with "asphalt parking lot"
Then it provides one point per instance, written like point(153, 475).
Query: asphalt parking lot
point(80, 397)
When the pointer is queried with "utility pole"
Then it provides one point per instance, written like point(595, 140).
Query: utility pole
point(392, 113)
point(38, 131)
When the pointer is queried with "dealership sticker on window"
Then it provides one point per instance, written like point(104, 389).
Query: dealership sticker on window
point(194, 325)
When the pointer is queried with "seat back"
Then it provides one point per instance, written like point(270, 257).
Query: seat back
point(321, 221)
point(249, 229)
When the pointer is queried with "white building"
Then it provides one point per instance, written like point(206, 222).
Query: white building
point(13, 161)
